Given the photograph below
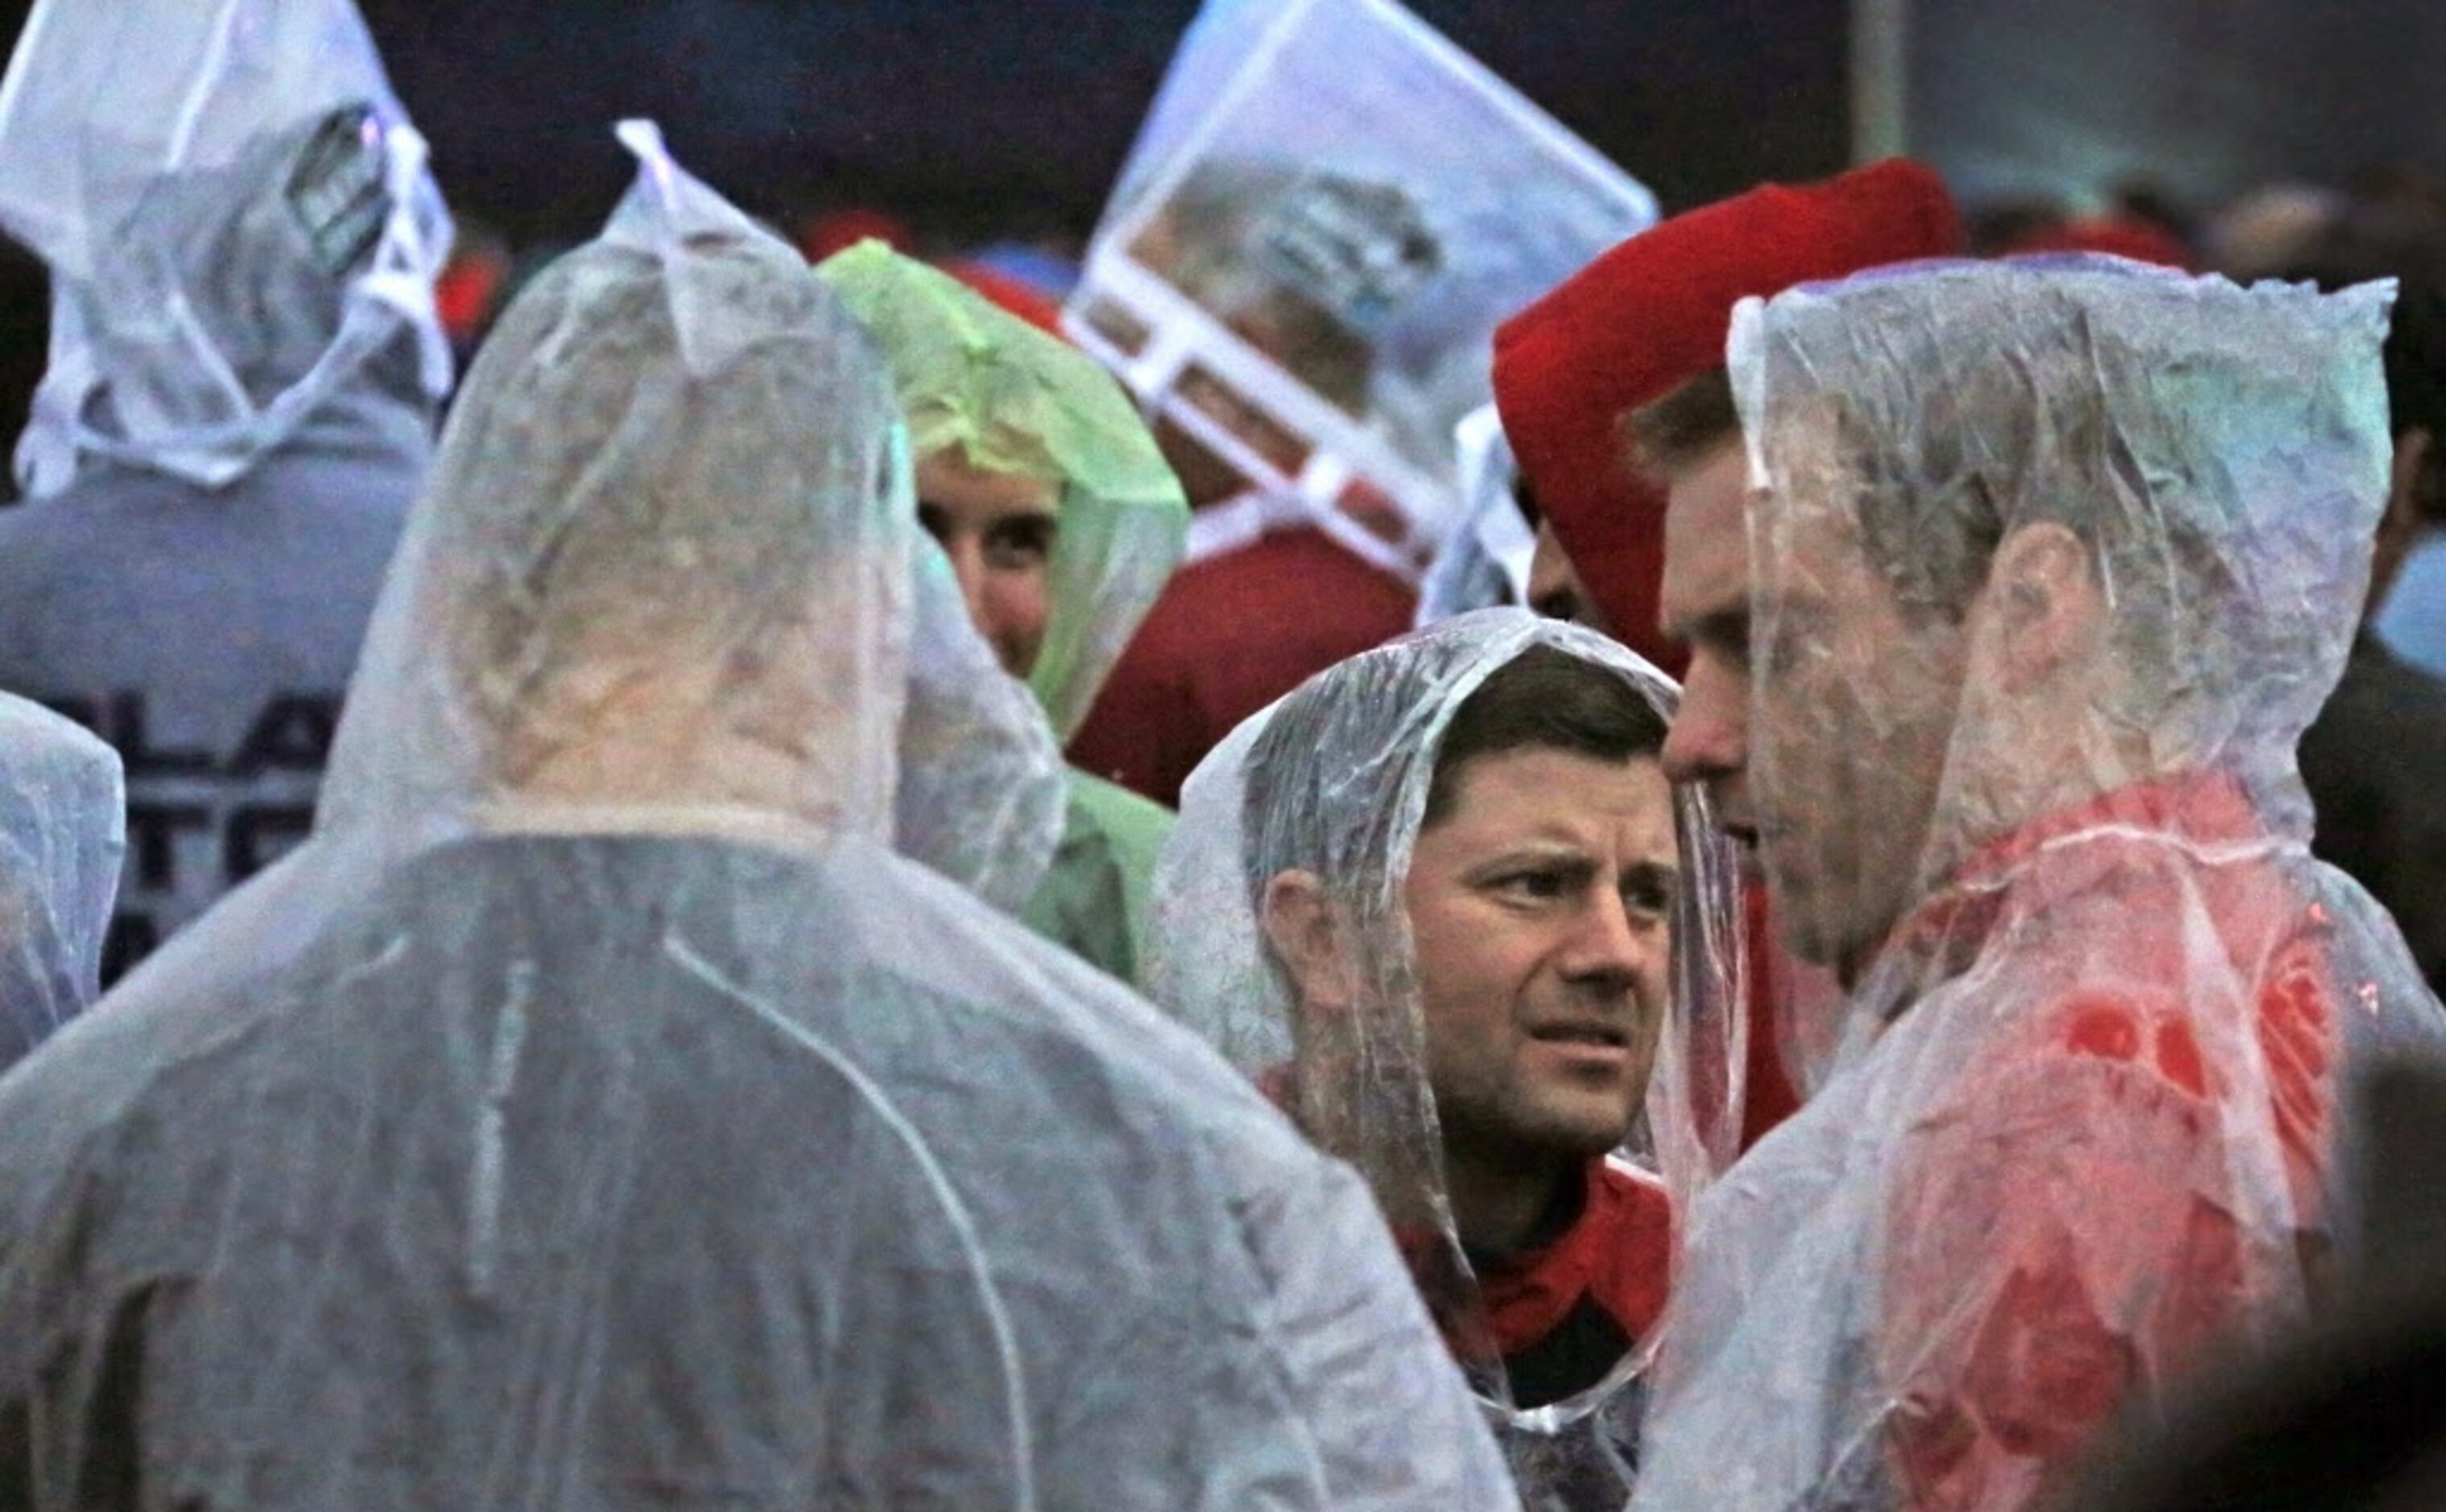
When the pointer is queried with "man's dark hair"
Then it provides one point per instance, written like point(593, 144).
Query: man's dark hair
point(1685, 426)
point(1524, 496)
point(1543, 699)
point(1304, 807)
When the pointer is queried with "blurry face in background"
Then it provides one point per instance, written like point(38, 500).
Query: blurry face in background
point(1555, 591)
point(1540, 907)
point(1823, 726)
point(998, 530)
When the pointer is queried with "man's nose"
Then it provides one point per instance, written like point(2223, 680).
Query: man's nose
point(1709, 738)
point(967, 551)
point(1611, 950)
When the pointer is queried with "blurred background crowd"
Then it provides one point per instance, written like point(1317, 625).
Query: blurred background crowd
point(2226, 136)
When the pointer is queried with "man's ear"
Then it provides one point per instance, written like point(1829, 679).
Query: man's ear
point(1299, 921)
point(2043, 604)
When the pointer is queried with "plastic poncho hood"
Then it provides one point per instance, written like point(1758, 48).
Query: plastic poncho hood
point(1485, 561)
point(597, 1100)
point(63, 828)
point(1329, 210)
point(1352, 802)
point(1013, 400)
point(614, 507)
point(982, 782)
point(2217, 454)
point(2051, 561)
point(237, 220)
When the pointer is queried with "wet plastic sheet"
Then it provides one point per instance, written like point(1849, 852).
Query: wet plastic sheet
point(1330, 211)
point(1485, 562)
point(237, 215)
point(596, 1111)
point(63, 825)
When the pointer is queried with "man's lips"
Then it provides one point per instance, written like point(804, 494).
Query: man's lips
point(1593, 1033)
point(1746, 846)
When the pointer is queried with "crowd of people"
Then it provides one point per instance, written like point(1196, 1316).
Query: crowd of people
point(1414, 840)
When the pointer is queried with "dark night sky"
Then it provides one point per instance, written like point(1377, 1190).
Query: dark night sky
point(1019, 111)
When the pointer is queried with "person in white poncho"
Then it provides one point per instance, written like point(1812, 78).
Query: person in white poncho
point(245, 371)
point(62, 829)
point(1442, 903)
point(597, 1112)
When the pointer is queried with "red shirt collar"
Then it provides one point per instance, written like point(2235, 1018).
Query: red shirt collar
point(1617, 1252)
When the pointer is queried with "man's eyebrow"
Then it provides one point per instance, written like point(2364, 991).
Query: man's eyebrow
point(1729, 625)
point(1537, 852)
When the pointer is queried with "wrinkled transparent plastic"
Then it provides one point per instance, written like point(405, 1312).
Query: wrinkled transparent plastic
point(1329, 210)
point(597, 1109)
point(1362, 1089)
point(237, 215)
point(63, 828)
point(2052, 560)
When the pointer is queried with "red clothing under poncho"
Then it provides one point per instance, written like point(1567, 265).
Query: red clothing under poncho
point(2091, 1142)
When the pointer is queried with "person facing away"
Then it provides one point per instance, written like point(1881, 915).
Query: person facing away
point(595, 1110)
point(1061, 522)
point(2005, 623)
point(1442, 904)
point(62, 825)
point(245, 371)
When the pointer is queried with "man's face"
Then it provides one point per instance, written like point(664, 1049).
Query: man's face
point(997, 529)
point(1541, 908)
point(1555, 591)
point(1705, 605)
point(1822, 727)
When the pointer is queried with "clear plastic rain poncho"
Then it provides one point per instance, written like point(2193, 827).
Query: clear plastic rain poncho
point(981, 778)
point(62, 825)
point(196, 322)
point(1330, 209)
point(240, 403)
point(2052, 561)
point(1357, 1082)
point(1485, 562)
point(597, 1112)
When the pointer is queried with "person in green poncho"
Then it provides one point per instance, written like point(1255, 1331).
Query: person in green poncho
point(1062, 521)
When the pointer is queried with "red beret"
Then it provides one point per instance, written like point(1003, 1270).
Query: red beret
point(1026, 301)
point(2140, 240)
point(1653, 312)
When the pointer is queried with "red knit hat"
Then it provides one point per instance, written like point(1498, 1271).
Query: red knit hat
point(1653, 312)
point(1024, 300)
point(2122, 237)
